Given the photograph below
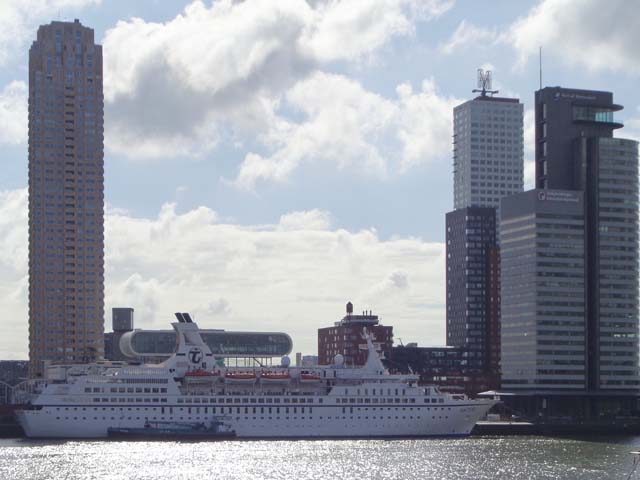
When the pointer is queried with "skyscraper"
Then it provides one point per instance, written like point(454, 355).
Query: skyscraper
point(488, 165)
point(66, 196)
point(585, 265)
point(488, 151)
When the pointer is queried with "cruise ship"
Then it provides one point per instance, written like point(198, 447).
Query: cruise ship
point(194, 387)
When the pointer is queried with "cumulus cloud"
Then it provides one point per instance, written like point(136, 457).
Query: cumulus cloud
point(13, 113)
point(581, 32)
point(240, 277)
point(19, 19)
point(529, 149)
point(172, 95)
point(467, 34)
point(13, 273)
point(347, 125)
point(306, 220)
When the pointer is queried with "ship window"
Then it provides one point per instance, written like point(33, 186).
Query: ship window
point(130, 390)
point(113, 390)
point(96, 390)
point(121, 390)
point(87, 390)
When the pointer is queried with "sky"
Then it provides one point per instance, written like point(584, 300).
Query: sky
point(268, 161)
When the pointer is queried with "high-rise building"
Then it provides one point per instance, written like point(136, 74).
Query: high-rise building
point(487, 165)
point(543, 290)
point(66, 196)
point(488, 151)
point(471, 237)
point(570, 258)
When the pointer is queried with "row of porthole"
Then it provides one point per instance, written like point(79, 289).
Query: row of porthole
point(265, 418)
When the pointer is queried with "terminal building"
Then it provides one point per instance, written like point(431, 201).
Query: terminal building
point(126, 343)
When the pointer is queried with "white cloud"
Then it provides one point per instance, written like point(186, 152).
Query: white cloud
point(13, 113)
point(19, 19)
point(170, 95)
point(13, 273)
point(241, 277)
point(581, 32)
point(306, 220)
point(529, 149)
point(467, 34)
point(347, 125)
point(425, 123)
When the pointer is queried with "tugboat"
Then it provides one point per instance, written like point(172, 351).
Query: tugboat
point(165, 430)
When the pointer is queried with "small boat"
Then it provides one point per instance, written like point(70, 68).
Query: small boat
point(275, 378)
point(309, 378)
point(246, 378)
point(165, 430)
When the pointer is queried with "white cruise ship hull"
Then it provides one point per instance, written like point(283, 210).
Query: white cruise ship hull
point(329, 421)
point(85, 401)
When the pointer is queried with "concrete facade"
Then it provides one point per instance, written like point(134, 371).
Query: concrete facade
point(580, 257)
point(543, 290)
point(488, 151)
point(66, 196)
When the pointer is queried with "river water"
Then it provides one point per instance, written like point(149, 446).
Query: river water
point(451, 459)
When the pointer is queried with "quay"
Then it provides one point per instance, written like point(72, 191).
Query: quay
point(9, 427)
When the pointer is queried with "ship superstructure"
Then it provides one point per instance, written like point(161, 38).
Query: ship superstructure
point(284, 401)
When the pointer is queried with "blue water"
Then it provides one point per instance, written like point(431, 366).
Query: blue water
point(467, 458)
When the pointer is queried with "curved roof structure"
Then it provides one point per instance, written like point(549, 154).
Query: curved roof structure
point(158, 343)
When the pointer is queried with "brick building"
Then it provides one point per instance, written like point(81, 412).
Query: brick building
point(346, 338)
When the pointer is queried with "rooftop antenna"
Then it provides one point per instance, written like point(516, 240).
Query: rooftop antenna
point(484, 83)
point(540, 57)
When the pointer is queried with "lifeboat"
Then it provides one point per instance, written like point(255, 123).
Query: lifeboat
point(275, 378)
point(244, 378)
point(201, 376)
point(201, 373)
point(309, 378)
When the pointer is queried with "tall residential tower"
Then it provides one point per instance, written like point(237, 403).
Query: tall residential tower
point(488, 165)
point(66, 196)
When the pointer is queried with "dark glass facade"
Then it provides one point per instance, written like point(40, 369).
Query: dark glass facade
point(472, 285)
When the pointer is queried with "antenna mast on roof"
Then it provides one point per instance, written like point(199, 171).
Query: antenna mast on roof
point(484, 83)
